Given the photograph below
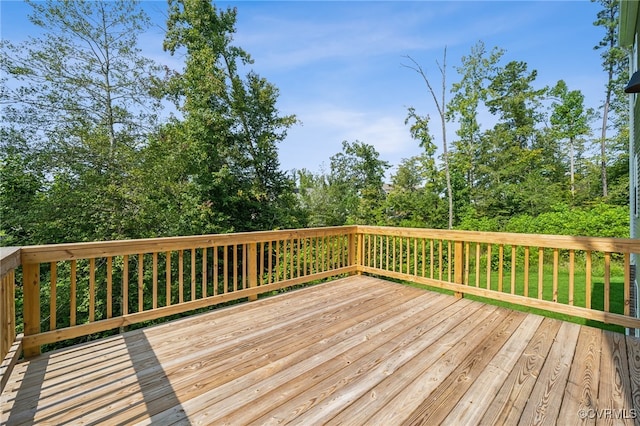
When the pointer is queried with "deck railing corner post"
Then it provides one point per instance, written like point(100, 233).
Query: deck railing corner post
point(458, 266)
point(352, 250)
point(253, 268)
point(31, 307)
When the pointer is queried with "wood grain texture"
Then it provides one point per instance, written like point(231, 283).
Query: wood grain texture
point(357, 350)
point(509, 402)
point(581, 392)
point(615, 392)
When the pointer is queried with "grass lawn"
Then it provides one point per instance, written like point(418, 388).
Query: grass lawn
point(616, 297)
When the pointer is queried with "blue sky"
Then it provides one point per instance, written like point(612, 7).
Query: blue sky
point(338, 65)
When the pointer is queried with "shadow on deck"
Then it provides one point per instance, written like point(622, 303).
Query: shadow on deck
point(358, 350)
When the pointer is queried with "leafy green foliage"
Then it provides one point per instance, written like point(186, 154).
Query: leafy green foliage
point(231, 126)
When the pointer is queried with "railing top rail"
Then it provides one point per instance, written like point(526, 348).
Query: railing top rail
point(9, 259)
point(70, 251)
point(613, 245)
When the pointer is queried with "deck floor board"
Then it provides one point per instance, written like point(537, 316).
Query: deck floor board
point(353, 351)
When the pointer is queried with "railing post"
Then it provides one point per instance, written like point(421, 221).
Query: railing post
point(31, 310)
point(352, 249)
point(253, 268)
point(458, 266)
point(7, 313)
point(359, 252)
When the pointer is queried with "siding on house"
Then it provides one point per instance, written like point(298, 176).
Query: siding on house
point(628, 38)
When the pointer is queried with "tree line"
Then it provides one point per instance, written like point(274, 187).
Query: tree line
point(87, 152)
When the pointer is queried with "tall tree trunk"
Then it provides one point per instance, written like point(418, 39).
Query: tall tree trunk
point(442, 111)
point(603, 138)
point(572, 168)
point(443, 121)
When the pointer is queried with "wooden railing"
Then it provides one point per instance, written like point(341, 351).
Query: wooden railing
point(578, 276)
point(75, 290)
point(10, 343)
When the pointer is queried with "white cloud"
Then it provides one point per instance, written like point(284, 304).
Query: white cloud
point(325, 126)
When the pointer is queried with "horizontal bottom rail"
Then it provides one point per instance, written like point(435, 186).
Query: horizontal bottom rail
point(10, 361)
point(576, 311)
point(53, 336)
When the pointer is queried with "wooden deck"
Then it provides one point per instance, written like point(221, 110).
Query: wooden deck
point(353, 351)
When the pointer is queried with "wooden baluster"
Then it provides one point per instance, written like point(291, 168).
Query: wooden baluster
point(167, 264)
point(587, 284)
point(571, 276)
point(394, 254)
point(305, 256)
point(540, 272)
point(154, 290)
point(73, 299)
point(277, 278)
point(235, 267)
point(424, 257)
point(401, 254)
point(500, 267)
point(216, 269)
point(298, 257)
point(431, 258)
point(253, 268)
point(225, 272)
point(556, 257)
point(526, 271)
point(109, 287)
point(489, 247)
point(607, 281)
point(125, 284)
point(193, 274)
point(270, 264)
point(449, 261)
point(52, 295)
point(513, 269)
point(203, 285)
point(291, 258)
point(440, 260)
point(467, 262)
point(245, 269)
point(478, 264)
point(140, 282)
point(181, 276)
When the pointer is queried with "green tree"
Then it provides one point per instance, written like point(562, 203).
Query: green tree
point(323, 203)
point(441, 106)
point(232, 125)
point(416, 196)
point(357, 174)
point(21, 185)
point(615, 64)
point(516, 158)
point(476, 70)
point(570, 121)
point(83, 95)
